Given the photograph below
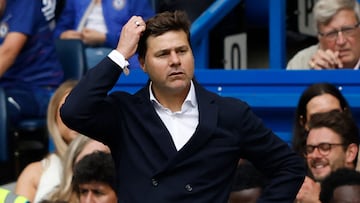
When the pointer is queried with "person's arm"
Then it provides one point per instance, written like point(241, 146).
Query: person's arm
point(28, 181)
point(88, 106)
point(273, 157)
point(65, 25)
point(92, 37)
point(10, 49)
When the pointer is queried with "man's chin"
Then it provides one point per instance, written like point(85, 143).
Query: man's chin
point(318, 177)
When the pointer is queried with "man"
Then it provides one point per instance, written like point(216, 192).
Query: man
point(337, 24)
point(343, 185)
point(174, 141)
point(94, 178)
point(29, 69)
point(332, 143)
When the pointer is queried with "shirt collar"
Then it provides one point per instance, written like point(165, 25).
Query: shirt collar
point(190, 98)
point(357, 66)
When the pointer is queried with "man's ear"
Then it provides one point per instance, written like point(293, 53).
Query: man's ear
point(142, 64)
point(351, 153)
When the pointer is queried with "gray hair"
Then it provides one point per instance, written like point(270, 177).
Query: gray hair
point(324, 10)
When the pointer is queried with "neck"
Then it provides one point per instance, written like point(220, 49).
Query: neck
point(171, 100)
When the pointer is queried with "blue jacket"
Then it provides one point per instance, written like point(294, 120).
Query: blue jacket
point(116, 14)
point(149, 167)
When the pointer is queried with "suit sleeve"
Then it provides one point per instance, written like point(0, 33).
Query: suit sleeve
point(88, 109)
point(273, 157)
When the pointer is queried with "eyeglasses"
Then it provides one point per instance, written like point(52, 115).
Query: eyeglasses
point(324, 148)
point(346, 31)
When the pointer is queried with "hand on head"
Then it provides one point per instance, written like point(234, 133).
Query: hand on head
point(130, 35)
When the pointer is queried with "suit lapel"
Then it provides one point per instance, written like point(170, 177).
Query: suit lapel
point(153, 123)
point(208, 113)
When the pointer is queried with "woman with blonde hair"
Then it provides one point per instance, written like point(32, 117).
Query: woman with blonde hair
point(78, 148)
point(39, 178)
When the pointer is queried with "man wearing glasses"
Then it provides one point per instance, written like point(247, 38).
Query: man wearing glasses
point(338, 34)
point(332, 143)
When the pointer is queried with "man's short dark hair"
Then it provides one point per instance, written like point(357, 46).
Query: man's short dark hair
point(162, 23)
point(339, 122)
point(98, 166)
point(340, 177)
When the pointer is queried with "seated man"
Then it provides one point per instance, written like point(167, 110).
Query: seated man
point(94, 178)
point(332, 143)
point(29, 69)
point(337, 24)
point(343, 185)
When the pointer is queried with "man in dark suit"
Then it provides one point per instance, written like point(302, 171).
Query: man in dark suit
point(174, 141)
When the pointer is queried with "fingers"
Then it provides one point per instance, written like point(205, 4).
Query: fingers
point(130, 35)
point(309, 191)
point(325, 60)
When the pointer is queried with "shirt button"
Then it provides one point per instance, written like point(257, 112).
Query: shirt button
point(154, 182)
point(188, 187)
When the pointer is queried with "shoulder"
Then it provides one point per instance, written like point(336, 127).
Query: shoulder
point(32, 172)
point(28, 181)
point(301, 58)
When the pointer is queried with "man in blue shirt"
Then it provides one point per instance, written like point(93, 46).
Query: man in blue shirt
point(29, 69)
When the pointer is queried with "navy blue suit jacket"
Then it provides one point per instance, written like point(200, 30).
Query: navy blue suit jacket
point(150, 169)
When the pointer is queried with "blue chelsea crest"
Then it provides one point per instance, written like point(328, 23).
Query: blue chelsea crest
point(4, 29)
point(119, 4)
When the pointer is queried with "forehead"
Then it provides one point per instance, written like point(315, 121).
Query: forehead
point(95, 185)
point(323, 134)
point(168, 40)
point(322, 103)
point(344, 17)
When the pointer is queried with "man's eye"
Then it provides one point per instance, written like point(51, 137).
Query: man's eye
point(98, 192)
point(83, 191)
point(162, 54)
point(332, 34)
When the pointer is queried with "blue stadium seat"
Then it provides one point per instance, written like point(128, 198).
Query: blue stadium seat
point(4, 154)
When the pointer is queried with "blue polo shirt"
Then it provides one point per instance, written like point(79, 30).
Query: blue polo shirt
point(37, 63)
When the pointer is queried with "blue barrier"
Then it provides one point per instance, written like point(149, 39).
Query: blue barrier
point(272, 94)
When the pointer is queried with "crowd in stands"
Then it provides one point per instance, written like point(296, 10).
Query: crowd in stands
point(173, 141)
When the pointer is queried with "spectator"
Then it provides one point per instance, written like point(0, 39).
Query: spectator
point(337, 24)
point(317, 98)
point(79, 147)
point(173, 140)
point(39, 178)
point(97, 24)
point(342, 185)
point(248, 185)
point(332, 143)
point(29, 69)
point(94, 178)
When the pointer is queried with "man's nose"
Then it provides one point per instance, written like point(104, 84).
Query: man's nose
point(89, 198)
point(174, 58)
point(340, 38)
